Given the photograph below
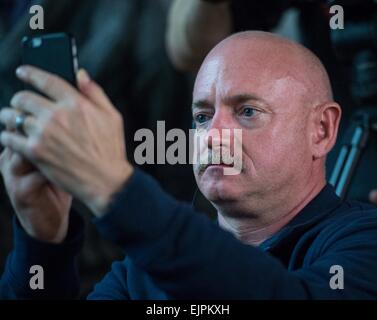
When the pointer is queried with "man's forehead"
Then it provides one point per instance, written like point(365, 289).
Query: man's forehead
point(219, 74)
point(219, 78)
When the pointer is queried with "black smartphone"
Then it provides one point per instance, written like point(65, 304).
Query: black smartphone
point(54, 52)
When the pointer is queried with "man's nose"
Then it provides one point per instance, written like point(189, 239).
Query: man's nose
point(221, 130)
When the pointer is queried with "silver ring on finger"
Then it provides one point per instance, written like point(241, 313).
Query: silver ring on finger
point(20, 122)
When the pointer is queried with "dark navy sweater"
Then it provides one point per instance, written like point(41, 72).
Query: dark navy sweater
point(175, 253)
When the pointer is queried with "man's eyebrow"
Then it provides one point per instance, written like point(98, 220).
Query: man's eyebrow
point(242, 97)
point(201, 104)
point(229, 100)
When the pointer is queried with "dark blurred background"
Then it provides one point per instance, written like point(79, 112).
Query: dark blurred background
point(122, 45)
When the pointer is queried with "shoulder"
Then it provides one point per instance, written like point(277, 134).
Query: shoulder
point(352, 222)
point(351, 214)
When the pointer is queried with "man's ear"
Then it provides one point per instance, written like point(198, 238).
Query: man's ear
point(325, 130)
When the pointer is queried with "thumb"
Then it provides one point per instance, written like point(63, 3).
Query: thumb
point(92, 90)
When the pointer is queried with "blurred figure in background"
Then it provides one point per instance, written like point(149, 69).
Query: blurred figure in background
point(121, 44)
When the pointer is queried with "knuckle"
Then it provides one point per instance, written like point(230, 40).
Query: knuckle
point(80, 102)
point(74, 102)
point(19, 98)
point(44, 132)
point(82, 108)
point(70, 102)
point(35, 150)
point(46, 82)
point(56, 117)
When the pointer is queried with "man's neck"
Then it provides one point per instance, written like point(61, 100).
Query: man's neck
point(251, 230)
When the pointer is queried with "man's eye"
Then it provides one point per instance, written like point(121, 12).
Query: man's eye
point(201, 118)
point(248, 111)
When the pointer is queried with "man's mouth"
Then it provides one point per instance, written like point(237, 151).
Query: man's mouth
point(220, 165)
point(216, 166)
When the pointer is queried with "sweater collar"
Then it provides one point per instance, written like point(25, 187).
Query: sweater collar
point(317, 209)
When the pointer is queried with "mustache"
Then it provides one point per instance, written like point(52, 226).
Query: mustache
point(218, 157)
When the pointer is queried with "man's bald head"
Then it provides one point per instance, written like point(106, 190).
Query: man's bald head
point(279, 58)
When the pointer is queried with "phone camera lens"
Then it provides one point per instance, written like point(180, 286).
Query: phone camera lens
point(36, 42)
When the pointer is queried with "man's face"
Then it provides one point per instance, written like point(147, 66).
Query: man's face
point(237, 92)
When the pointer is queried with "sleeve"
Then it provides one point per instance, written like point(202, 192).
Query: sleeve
point(188, 256)
point(57, 276)
point(113, 286)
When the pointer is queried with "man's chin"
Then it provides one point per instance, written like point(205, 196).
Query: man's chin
point(217, 187)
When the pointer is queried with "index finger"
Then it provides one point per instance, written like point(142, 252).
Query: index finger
point(52, 85)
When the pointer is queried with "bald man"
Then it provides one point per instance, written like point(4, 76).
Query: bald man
point(282, 232)
point(279, 94)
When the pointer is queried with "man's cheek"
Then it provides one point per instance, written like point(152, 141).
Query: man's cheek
point(262, 163)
